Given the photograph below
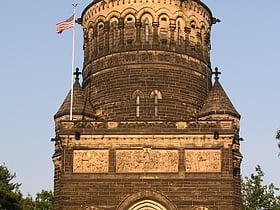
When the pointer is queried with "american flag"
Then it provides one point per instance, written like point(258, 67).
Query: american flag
point(66, 24)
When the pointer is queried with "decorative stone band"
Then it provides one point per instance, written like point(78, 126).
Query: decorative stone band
point(90, 161)
point(203, 160)
point(147, 160)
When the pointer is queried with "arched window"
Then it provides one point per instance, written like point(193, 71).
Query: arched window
point(203, 35)
point(100, 35)
point(129, 30)
point(89, 44)
point(146, 22)
point(137, 96)
point(193, 31)
point(156, 95)
point(164, 30)
point(156, 105)
point(137, 106)
point(114, 33)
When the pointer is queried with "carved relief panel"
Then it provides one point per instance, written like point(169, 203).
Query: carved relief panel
point(90, 161)
point(147, 160)
point(203, 160)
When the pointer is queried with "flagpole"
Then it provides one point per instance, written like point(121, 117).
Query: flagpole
point(73, 61)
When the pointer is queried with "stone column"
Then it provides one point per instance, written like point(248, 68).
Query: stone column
point(86, 46)
point(121, 31)
point(172, 27)
point(187, 31)
point(106, 33)
point(94, 38)
point(206, 46)
point(155, 34)
point(138, 25)
point(199, 44)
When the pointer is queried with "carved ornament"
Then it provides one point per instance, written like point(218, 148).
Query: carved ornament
point(90, 161)
point(203, 160)
point(147, 160)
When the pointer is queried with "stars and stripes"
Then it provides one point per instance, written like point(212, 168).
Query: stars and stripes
point(66, 24)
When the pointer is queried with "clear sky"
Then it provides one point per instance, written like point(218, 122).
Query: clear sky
point(35, 65)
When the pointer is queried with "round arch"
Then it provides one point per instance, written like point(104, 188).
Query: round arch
point(200, 208)
point(100, 19)
point(146, 10)
point(194, 19)
point(113, 14)
point(148, 200)
point(147, 205)
point(128, 11)
point(164, 11)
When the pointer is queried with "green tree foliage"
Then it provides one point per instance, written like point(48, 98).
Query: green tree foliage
point(44, 200)
point(27, 203)
point(256, 195)
point(10, 196)
point(278, 137)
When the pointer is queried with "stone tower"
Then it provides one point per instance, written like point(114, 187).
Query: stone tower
point(150, 131)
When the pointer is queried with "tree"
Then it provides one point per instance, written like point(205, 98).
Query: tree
point(44, 200)
point(27, 203)
point(10, 196)
point(278, 137)
point(257, 196)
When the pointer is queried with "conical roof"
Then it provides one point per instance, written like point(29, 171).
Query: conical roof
point(81, 105)
point(217, 102)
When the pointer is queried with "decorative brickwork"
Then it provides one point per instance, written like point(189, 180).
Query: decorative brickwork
point(149, 129)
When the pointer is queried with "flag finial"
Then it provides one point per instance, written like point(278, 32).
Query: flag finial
point(77, 74)
point(216, 73)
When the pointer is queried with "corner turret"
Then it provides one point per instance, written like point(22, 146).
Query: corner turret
point(82, 108)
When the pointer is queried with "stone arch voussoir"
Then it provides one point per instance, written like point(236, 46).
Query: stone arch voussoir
point(153, 196)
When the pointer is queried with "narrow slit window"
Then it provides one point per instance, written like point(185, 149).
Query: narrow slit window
point(137, 96)
point(138, 106)
point(156, 105)
point(156, 96)
point(146, 30)
point(114, 33)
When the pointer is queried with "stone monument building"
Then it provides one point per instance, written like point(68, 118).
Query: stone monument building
point(151, 128)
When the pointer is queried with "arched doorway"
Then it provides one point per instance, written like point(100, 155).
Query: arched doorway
point(146, 200)
point(200, 208)
point(147, 205)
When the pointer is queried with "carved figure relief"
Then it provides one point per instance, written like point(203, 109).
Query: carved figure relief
point(203, 160)
point(147, 160)
point(90, 161)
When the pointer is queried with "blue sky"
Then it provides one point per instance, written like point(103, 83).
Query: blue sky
point(35, 67)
